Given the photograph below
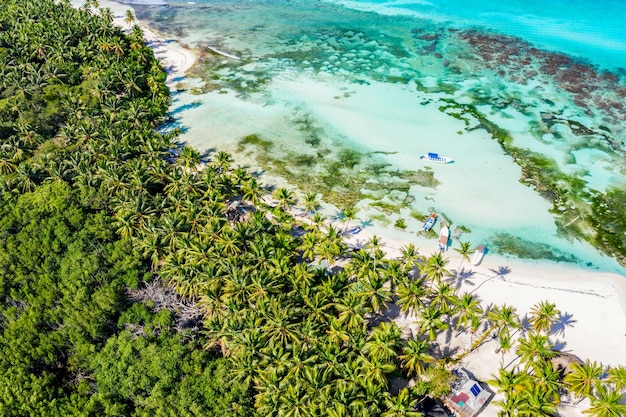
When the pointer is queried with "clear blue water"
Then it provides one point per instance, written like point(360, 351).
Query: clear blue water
point(509, 59)
point(591, 30)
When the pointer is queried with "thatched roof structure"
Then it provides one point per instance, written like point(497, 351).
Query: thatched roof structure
point(563, 361)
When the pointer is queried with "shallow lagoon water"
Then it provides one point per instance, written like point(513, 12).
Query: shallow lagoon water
point(389, 81)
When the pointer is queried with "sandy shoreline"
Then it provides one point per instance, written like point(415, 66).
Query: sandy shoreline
point(594, 302)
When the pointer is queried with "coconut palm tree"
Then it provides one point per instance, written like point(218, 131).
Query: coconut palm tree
point(411, 295)
point(285, 197)
point(429, 322)
point(501, 317)
point(468, 306)
point(348, 215)
point(606, 403)
point(435, 268)
point(534, 349)
point(401, 405)
point(511, 382)
point(311, 203)
point(617, 377)
point(583, 377)
point(506, 343)
point(129, 17)
point(543, 316)
point(535, 403)
point(464, 251)
point(410, 257)
point(351, 308)
point(415, 357)
point(377, 295)
point(546, 379)
point(383, 342)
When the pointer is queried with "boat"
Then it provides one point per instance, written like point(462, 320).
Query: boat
point(435, 157)
point(444, 235)
point(430, 222)
point(479, 252)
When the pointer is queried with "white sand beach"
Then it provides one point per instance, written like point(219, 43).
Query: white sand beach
point(592, 306)
point(592, 303)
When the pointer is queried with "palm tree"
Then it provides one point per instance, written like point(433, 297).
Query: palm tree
point(383, 342)
point(189, 158)
point(374, 245)
point(401, 405)
point(504, 338)
point(251, 191)
point(546, 379)
point(285, 198)
point(543, 316)
point(468, 307)
point(411, 295)
point(445, 298)
point(429, 322)
point(511, 382)
point(351, 308)
point(374, 372)
point(583, 377)
point(376, 294)
point(415, 356)
point(129, 17)
point(310, 203)
point(349, 214)
point(502, 317)
point(464, 250)
point(410, 257)
point(534, 349)
point(606, 403)
point(617, 377)
point(509, 406)
point(435, 268)
point(536, 404)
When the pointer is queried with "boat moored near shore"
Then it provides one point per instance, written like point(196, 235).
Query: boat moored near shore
point(430, 222)
point(444, 236)
point(478, 255)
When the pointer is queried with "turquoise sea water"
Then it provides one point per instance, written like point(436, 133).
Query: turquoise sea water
point(591, 30)
point(391, 80)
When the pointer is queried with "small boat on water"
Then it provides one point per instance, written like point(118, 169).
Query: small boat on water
point(444, 236)
point(479, 252)
point(430, 222)
point(435, 157)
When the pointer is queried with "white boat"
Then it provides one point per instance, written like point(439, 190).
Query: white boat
point(435, 157)
point(444, 236)
point(479, 252)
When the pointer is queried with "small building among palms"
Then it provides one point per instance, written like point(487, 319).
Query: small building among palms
point(468, 397)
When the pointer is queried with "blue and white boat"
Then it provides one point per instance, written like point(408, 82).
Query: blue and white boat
point(430, 222)
point(435, 157)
